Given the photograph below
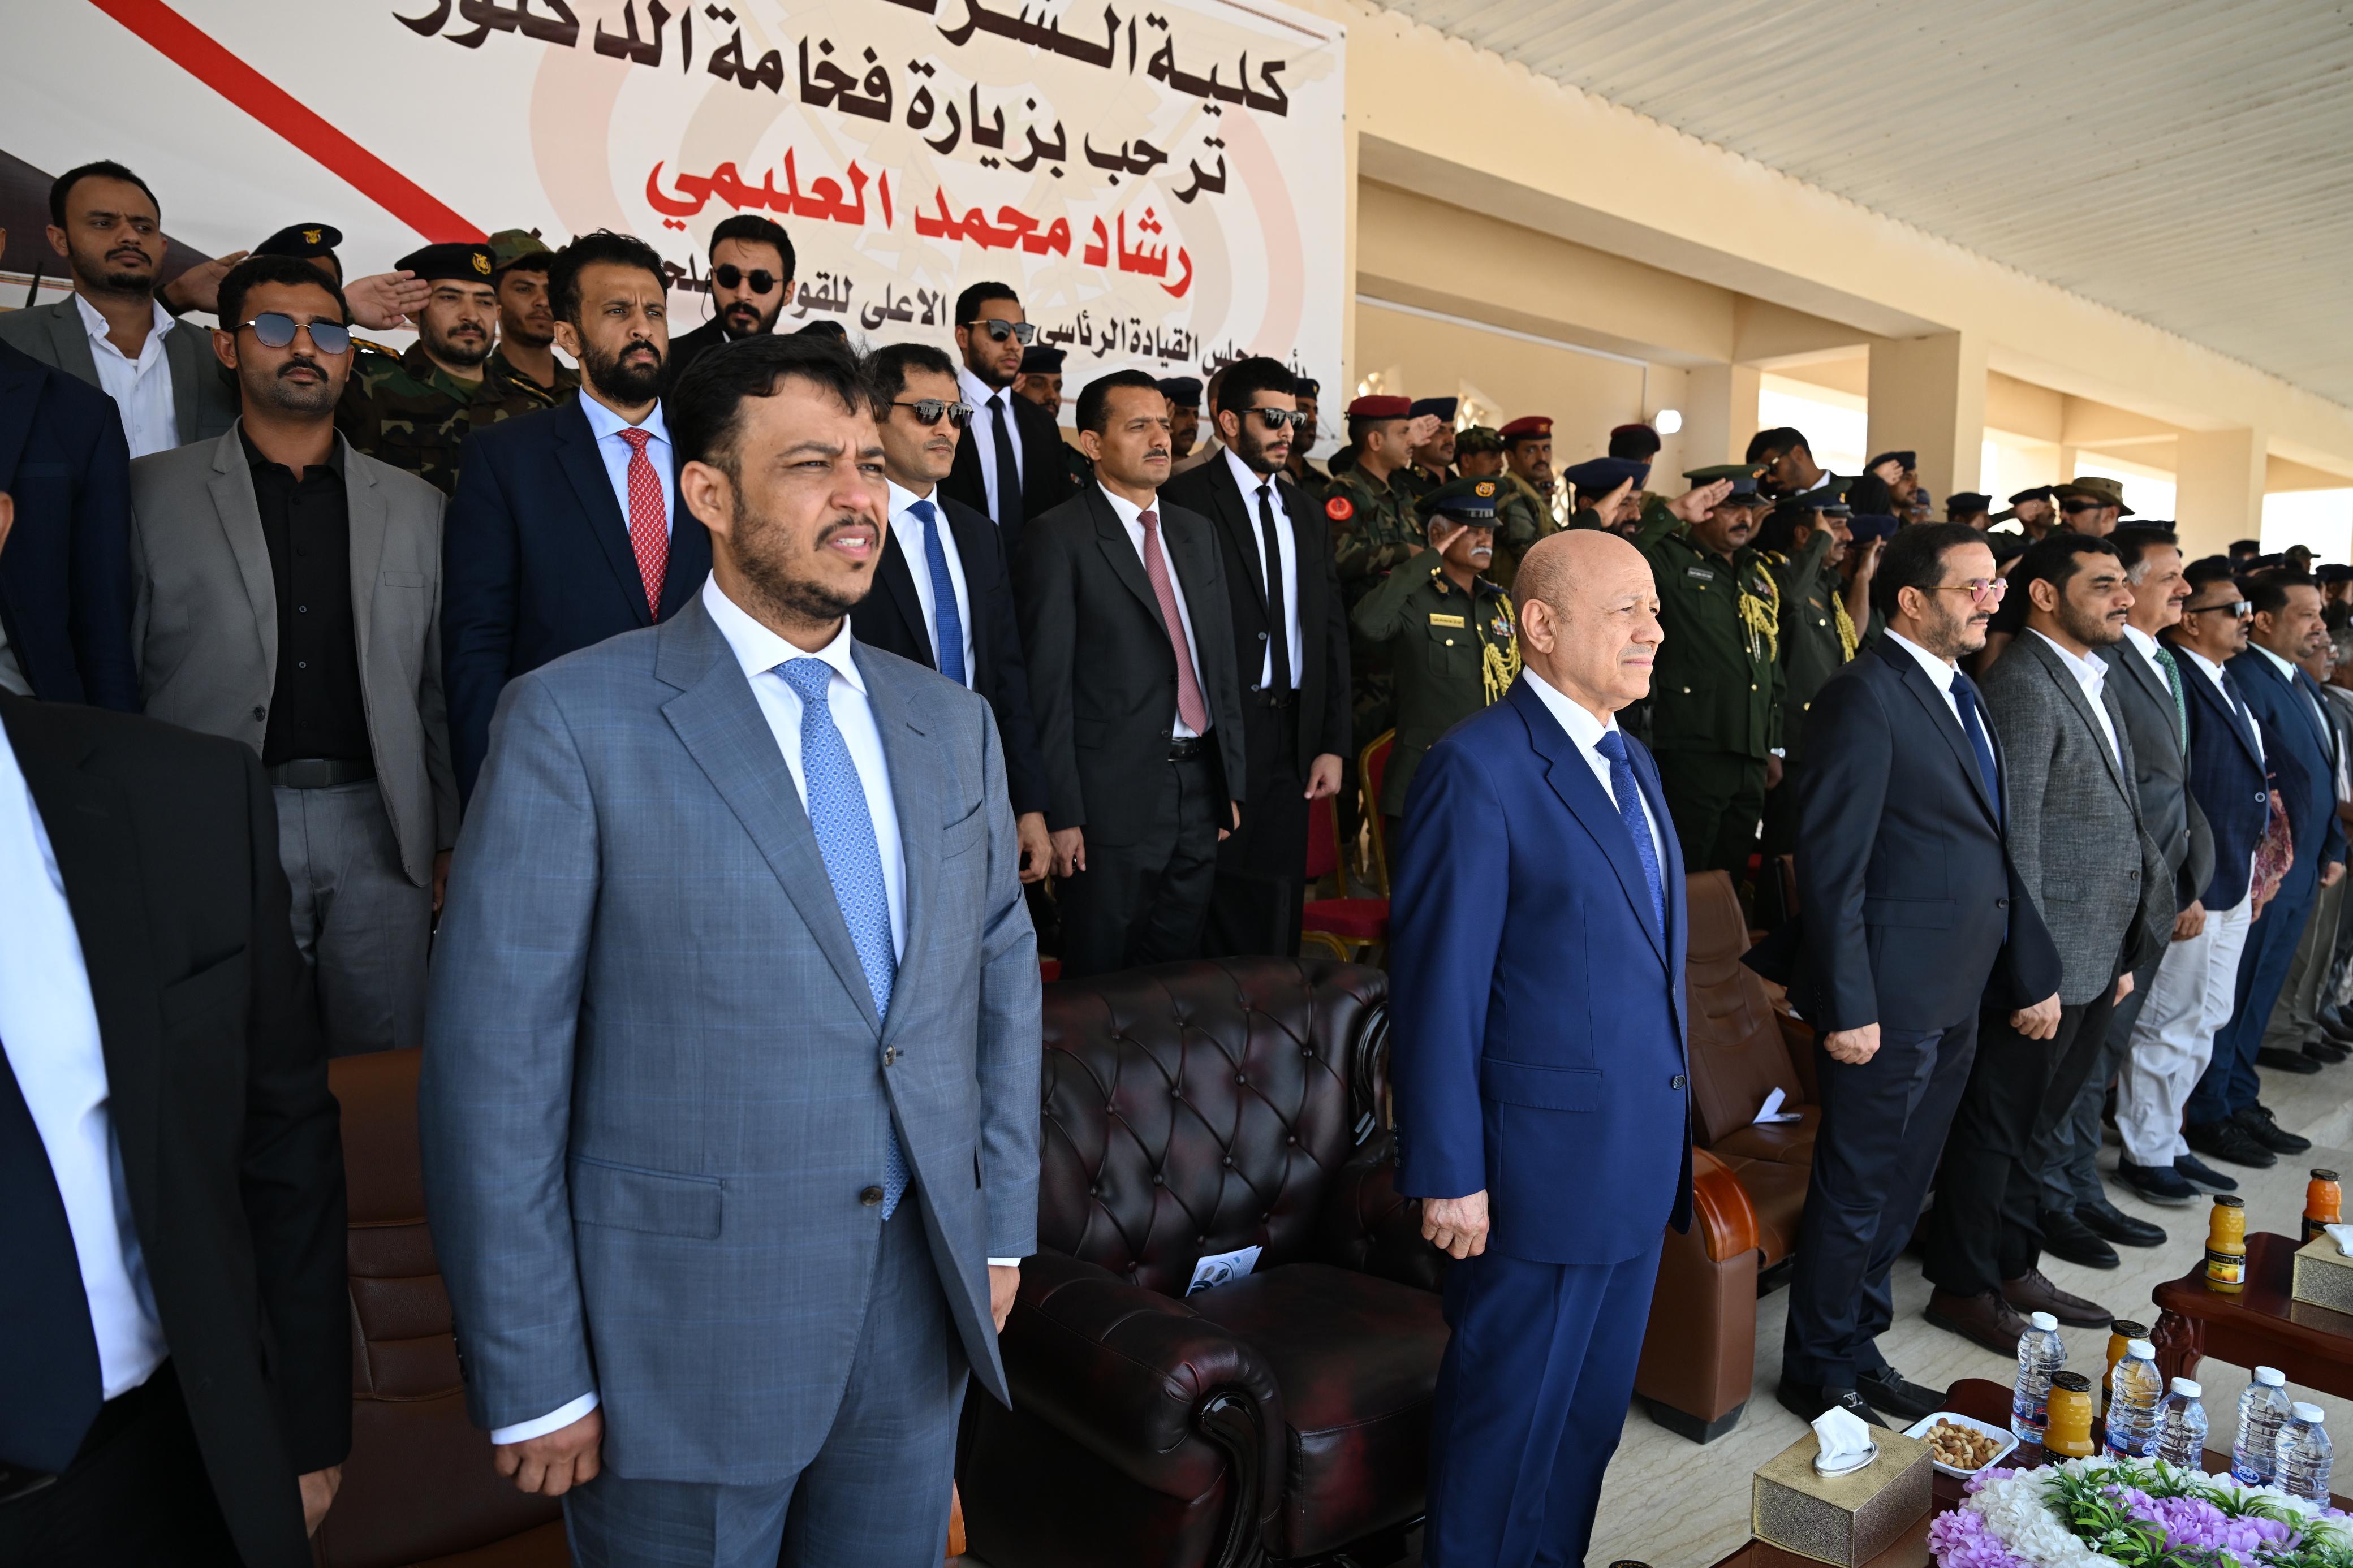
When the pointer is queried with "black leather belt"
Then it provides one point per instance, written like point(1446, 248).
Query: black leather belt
point(112, 1416)
point(1266, 697)
point(320, 772)
point(1184, 750)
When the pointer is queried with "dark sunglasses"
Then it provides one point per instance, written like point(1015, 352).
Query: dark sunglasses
point(275, 330)
point(2236, 608)
point(927, 411)
point(1025, 331)
point(2076, 506)
point(734, 277)
point(1278, 418)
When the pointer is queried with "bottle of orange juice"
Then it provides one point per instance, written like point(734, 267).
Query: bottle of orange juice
point(2068, 1432)
point(2322, 1200)
point(2226, 1245)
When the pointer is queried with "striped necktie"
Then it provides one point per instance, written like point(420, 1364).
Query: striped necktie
point(2180, 705)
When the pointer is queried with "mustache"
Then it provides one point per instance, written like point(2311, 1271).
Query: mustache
point(302, 361)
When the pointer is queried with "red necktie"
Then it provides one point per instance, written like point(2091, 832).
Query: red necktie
point(649, 529)
point(1189, 706)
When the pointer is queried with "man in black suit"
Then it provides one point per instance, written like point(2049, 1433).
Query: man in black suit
point(65, 589)
point(174, 1340)
point(1009, 436)
point(1911, 908)
point(1132, 676)
point(942, 595)
point(751, 284)
point(1290, 642)
point(566, 528)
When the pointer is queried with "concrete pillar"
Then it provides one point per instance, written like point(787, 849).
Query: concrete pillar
point(1927, 395)
point(1720, 419)
point(2219, 488)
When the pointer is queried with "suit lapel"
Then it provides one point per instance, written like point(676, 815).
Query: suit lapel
point(1193, 558)
point(71, 340)
point(915, 793)
point(184, 363)
point(1233, 516)
point(1913, 679)
point(2315, 704)
point(369, 522)
point(2055, 670)
point(976, 541)
point(895, 577)
point(584, 467)
point(20, 398)
point(239, 516)
point(2201, 688)
point(1571, 778)
point(1111, 536)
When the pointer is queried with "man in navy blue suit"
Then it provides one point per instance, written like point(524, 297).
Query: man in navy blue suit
point(2225, 1119)
point(566, 528)
point(65, 586)
point(1536, 993)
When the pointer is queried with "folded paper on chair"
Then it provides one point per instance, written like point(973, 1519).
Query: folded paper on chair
point(1841, 1520)
point(1772, 1111)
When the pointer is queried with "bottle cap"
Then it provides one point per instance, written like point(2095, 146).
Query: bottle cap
point(2143, 1349)
point(2271, 1378)
point(2312, 1413)
point(2044, 1322)
point(2124, 1330)
point(2188, 1388)
point(2324, 1175)
point(2073, 1380)
point(2229, 1201)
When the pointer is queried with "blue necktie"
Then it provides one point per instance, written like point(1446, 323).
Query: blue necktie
point(1612, 745)
point(1965, 698)
point(946, 619)
point(853, 859)
point(48, 1350)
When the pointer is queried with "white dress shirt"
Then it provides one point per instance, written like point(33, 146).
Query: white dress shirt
point(2146, 647)
point(615, 452)
point(1939, 670)
point(1287, 554)
point(1586, 731)
point(48, 1027)
point(1131, 517)
point(2091, 673)
point(142, 388)
point(2213, 672)
point(909, 531)
point(989, 404)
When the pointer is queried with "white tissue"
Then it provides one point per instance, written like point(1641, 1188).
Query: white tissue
point(1843, 1438)
point(2342, 1235)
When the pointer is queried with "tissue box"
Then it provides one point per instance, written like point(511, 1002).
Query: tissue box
point(1843, 1520)
point(2323, 1278)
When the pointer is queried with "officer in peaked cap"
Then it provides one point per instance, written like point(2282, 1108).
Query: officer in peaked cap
point(311, 242)
point(1596, 480)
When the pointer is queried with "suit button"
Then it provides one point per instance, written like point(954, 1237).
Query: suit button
point(889, 1055)
point(871, 1198)
point(258, 714)
point(1449, 642)
point(2260, 798)
point(2001, 903)
point(1261, 636)
point(1676, 1082)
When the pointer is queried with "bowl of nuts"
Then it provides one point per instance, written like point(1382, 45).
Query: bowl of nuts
point(1959, 1444)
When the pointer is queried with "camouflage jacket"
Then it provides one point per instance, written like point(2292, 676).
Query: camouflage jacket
point(500, 368)
point(407, 411)
point(1373, 530)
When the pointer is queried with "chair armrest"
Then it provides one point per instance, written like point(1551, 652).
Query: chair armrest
point(1368, 1226)
point(1170, 1399)
point(1720, 1210)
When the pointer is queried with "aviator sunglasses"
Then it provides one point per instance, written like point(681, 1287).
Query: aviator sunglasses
point(275, 330)
point(928, 410)
point(1026, 332)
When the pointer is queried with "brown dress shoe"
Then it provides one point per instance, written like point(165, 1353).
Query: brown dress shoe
point(2031, 1292)
point(1986, 1320)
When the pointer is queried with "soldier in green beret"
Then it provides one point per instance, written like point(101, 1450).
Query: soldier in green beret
point(524, 360)
point(1716, 714)
point(415, 410)
point(1449, 632)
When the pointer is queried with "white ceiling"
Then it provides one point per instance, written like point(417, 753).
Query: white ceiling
point(2186, 162)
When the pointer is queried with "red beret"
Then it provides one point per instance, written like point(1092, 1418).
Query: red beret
point(1526, 427)
point(1381, 408)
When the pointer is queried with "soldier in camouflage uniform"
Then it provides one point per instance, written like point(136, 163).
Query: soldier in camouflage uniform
point(526, 321)
point(1373, 530)
point(1804, 545)
point(1305, 474)
point(415, 410)
point(1433, 460)
point(1523, 506)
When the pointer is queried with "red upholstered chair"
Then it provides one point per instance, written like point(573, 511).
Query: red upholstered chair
point(418, 1490)
point(1342, 924)
point(1372, 767)
point(1190, 1109)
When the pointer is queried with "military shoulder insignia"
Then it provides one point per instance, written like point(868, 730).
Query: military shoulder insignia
point(1339, 509)
point(372, 345)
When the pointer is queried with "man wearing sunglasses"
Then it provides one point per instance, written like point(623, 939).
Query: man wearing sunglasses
point(335, 675)
point(2090, 503)
point(1009, 463)
point(1291, 641)
point(751, 284)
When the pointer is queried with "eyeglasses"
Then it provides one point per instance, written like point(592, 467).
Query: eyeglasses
point(1275, 419)
point(276, 329)
point(734, 277)
point(2238, 609)
point(1984, 590)
point(1025, 332)
point(927, 411)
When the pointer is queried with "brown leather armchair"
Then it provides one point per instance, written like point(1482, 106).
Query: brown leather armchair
point(1191, 1110)
point(418, 1490)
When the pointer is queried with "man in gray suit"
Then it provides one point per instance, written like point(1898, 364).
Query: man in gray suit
point(2072, 820)
point(730, 1094)
point(2078, 1221)
point(287, 592)
point(104, 221)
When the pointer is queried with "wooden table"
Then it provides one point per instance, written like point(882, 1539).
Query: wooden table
point(2259, 1325)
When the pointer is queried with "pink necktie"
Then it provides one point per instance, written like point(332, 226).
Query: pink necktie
point(648, 534)
point(1189, 706)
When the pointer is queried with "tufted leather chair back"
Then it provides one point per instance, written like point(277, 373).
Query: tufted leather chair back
point(1737, 1056)
point(1193, 1109)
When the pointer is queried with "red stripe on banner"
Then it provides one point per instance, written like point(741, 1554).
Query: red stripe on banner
point(188, 47)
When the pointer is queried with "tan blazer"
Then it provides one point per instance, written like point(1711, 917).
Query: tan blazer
point(204, 624)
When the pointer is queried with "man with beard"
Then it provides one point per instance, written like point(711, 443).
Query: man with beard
point(1184, 395)
point(2033, 510)
point(113, 333)
point(524, 360)
point(1900, 472)
point(1291, 643)
point(1523, 513)
point(335, 679)
point(1309, 478)
point(566, 530)
point(416, 409)
point(1432, 463)
point(2072, 817)
point(1805, 542)
point(750, 283)
point(1715, 710)
point(1041, 380)
point(2091, 503)
point(1009, 463)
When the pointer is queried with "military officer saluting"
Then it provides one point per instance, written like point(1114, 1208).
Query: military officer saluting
point(1433, 460)
point(1607, 493)
point(1372, 532)
point(1715, 718)
point(1449, 631)
point(415, 410)
point(1524, 509)
point(1805, 542)
point(313, 242)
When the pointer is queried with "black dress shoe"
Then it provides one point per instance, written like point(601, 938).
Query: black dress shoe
point(2324, 1051)
point(2065, 1236)
point(2296, 1062)
point(2258, 1121)
point(1807, 1401)
point(2109, 1223)
point(2204, 1177)
point(2228, 1141)
point(1888, 1390)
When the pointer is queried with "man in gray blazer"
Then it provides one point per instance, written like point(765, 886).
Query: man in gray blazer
point(287, 592)
point(2072, 820)
point(2078, 1221)
point(730, 1093)
point(104, 221)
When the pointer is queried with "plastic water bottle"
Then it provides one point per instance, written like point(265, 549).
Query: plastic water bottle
point(2181, 1427)
point(2041, 1353)
point(2133, 1390)
point(2261, 1409)
point(2304, 1454)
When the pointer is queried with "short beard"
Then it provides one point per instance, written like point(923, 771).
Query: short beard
point(527, 335)
point(274, 391)
point(768, 322)
point(2091, 630)
point(93, 273)
point(625, 385)
point(449, 352)
point(788, 597)
point(1251, 450)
